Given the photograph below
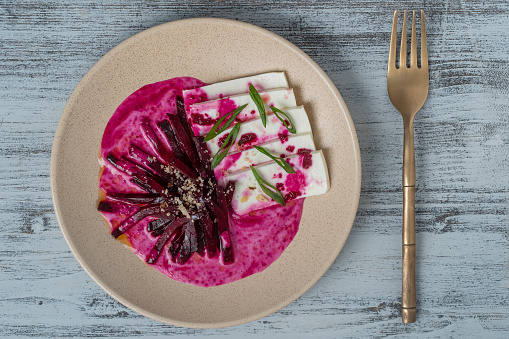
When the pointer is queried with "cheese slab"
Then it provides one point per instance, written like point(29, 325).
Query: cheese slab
point(203, 116)
point(310, 178)
point(261, 82)
point(242, 160)
point(253, 133)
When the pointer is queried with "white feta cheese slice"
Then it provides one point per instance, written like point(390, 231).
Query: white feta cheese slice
point(253, 133)
point(204, 115)
point(252, 157)
point(310, 178)
point(228, 88)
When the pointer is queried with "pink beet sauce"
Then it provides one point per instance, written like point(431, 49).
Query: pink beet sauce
point(258, 238)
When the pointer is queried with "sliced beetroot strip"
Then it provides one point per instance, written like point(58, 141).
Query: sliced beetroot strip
point(181, 113)
point(150, 185)
point(136, 171)
point(167, 131)
point(156, 224)
point(111, 207)
point(118, 164)
point(185, 250)
point(143, 186)
point(208, 230)
point(165, 154)
point(227, 251)
point(165, 237)
point(221, 197)
point(185, 142)
point(136, 218)
point(190, 229)
point(160, 231)
point(204, 155)
point(189, 243)
point(133, 198)
point(184, 169)
point(223, 231)
point(176, 243)
point(200, 238)
point(230, 189)
point(139, 156)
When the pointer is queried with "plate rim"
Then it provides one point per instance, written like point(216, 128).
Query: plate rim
point(65, 115)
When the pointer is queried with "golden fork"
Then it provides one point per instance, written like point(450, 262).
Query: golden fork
point(408, 90)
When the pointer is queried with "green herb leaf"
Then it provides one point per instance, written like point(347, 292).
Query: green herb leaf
point(259, 104)
point(213, 133)
point(225, 147)
point(276, 112)
point(280, 161)
point(269, 189)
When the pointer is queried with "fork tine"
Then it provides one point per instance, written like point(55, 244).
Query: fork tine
point(424, 46)
point(392, 51)
point(402, 51)
point(413, 45)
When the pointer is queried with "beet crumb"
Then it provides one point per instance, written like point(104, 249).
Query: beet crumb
point(292, 195)
point(283, 137)
point(199, 119)
point(247, 138)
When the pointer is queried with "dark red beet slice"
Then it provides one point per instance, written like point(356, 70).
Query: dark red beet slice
point(161, 150)
point(204, 155)
point(184, 169)
point(136, 218)
point(208, 230)
point(165, 237)
point(143, 158)
point(230, 189)
point(154, 181)
point(111, 207)
point(221, 197)
point(166, 129)
point(143, 186)
point(176, 238)
point(200, 238)
point(223, 230)
point(156, 224)
point(189, 243)
point(185, 142)
point(154, 185)
point(185, 250)
point(139, 156)
point(181, 113)
point(134, 198)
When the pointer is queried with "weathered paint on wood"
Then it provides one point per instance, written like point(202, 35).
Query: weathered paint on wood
point(462, 137)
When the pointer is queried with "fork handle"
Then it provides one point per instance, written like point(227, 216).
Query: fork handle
point(408, 298)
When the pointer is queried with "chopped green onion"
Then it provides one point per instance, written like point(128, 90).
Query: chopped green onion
point(280, 161)
point(213, 133)
point(259, 103)
point(225, 147)
point(269, 189)
point(291, 128)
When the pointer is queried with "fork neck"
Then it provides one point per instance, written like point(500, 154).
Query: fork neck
point(408, 152)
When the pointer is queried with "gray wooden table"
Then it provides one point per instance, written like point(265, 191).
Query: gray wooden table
point(462, 139)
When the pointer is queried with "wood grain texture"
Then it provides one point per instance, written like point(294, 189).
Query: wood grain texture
point(462, 138)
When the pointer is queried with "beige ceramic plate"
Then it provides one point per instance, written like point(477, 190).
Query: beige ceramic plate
point(211, 50)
